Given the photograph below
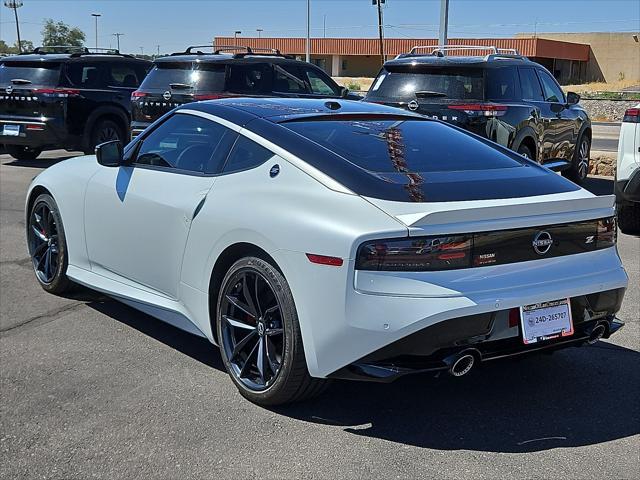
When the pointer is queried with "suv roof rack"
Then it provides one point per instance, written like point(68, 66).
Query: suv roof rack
point(441, 50)
point(219, 49)
point(74, 51)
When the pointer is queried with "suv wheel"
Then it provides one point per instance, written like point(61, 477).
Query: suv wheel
point(525, 152)
point(580, 165)
point(23, 153)
point(259, 335)
point(104, 131)
point(629, 218)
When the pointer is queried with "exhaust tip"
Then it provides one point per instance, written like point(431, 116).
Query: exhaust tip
point(462, 365)
point(596, 334)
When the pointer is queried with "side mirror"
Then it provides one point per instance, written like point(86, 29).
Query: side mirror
point(110, 154)
point(344, 92)
point(572, 98)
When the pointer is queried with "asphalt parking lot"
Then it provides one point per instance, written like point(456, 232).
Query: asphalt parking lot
point(92, 388)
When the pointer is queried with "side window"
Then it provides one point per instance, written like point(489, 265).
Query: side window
point(246, 154)
point(319, 84)
point(502, 84)
point(122, 75)
point(248, 78)
point(288, 79)
point(186, 142)
point(85, 75)
point(530, 85)
point(552, 92)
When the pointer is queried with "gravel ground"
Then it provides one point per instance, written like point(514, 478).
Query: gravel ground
point(90, 388)
point(607, 110)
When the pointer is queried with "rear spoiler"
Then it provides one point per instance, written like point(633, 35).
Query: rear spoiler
point(503, 217)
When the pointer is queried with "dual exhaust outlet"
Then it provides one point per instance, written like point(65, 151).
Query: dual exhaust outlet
point(461, 363)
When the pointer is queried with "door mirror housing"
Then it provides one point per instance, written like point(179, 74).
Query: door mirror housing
point(344, 92)
point(110, 154)
point(572, 98)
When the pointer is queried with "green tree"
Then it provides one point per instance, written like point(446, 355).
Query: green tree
point(4, 48)
point(59, 33)
point(27, 46)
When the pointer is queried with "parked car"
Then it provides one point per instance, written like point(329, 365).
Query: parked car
point(318, 239)
point(64, 97)
point(501, 96)
point(628, 172)
point(193, 75)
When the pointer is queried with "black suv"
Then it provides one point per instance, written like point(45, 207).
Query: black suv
point(501, 96)
point(193, 75)
point(71, 98)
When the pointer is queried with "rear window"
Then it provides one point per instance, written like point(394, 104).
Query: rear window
point(202, 77)
point(434, 83)
point(35, 73)
point(403, 146)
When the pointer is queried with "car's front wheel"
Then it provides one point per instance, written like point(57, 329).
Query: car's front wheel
point(104, 131)
point(259, 335)
point(47, 245)
point(20, 152)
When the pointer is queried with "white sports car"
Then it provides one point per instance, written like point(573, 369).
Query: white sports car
point(313, 240)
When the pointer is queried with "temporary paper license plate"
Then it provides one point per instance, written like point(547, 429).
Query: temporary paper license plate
point(11, 130)
point(546, 320)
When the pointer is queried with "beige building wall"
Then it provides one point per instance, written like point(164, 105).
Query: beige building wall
point(614, 55)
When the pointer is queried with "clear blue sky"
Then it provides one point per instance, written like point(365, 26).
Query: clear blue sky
point(174, 24)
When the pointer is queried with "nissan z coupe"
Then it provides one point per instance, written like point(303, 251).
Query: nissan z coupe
point(314, 239)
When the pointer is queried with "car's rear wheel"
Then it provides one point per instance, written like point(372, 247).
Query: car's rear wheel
point(47, 245)
point(629, 218)
point(20, 152)
point(259, 335)
point(104, 131)
point(580, 164)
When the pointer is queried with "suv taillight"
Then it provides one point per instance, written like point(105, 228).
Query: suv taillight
point(632, 115)
point(138, 94)
point(57, 92)
point(481, 109)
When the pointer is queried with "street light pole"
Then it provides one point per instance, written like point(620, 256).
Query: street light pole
point(96, 15)
point(308, 45)
point(444, 23)
point(15, 5)
point(380, 28)
point(235, 37)
point(118, 35)
point(259, 30)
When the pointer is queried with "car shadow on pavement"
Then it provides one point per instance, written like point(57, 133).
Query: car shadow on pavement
point(572, 398)
point(38, 162)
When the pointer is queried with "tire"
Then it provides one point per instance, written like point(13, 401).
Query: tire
point(47, 245)
point(526, 152)
point(104, 131)
point(283, 377)
point(579, 169)
point(629, 218)
point(20, 152)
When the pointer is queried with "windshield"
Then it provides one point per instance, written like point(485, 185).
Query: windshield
point(32, 73)
point(429, 84)
point(180, 75)
point(403, 146)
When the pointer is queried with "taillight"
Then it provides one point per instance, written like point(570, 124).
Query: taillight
point(35, 127)
point(138, 94)
point(57, 92)
point(481, 109)
point(416, 254)
point(208, 96)
point(606, 232)
point(632, 115)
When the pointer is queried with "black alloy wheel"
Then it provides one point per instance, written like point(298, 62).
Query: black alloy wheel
point(259, 335)
point(253, 336)
point(47, 245)
point(104, 131)
point(580, 165)
point(525, 152)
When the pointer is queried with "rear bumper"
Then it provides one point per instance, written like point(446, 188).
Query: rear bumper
point(37, 134)
point(628, 190)
point(486, 336)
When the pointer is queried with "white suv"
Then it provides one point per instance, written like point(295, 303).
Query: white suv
point(628, 172)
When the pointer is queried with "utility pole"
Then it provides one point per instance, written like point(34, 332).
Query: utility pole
point(324, 25)
point(96, 15)
point(15, 5)
point(142, 51)
point(444, 23)
point(308, 45)
point(118, 35)
point(157, 51)
point(380, 28)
